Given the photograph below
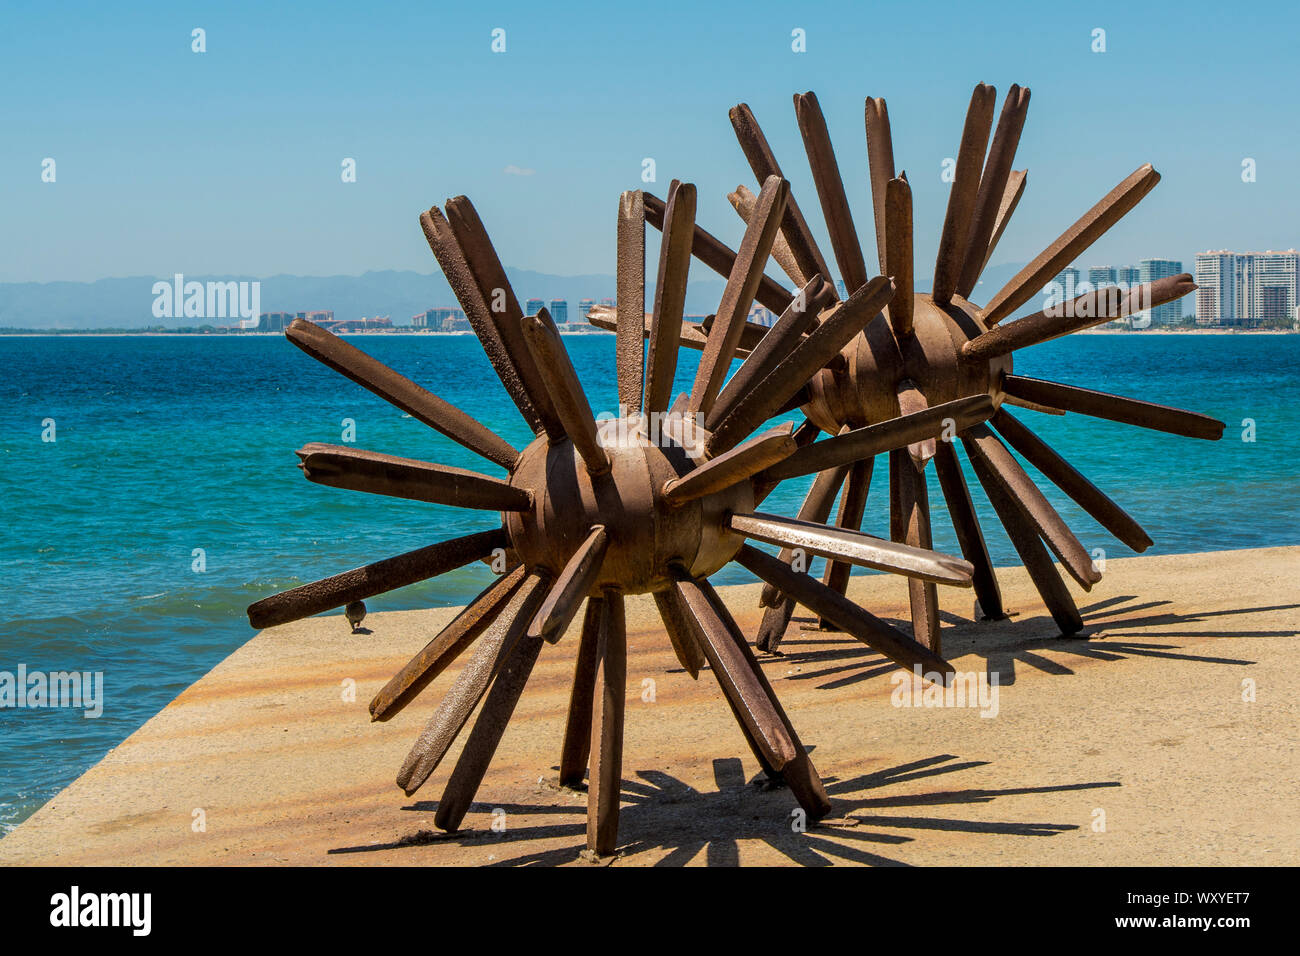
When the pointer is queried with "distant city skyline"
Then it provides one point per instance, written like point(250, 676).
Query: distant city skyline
point(229, 161)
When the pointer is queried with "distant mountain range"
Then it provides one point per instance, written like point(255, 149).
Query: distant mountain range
point(128, 302)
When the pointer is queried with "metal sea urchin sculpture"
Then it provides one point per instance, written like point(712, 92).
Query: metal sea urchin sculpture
point(598, 510)
point(937, 348)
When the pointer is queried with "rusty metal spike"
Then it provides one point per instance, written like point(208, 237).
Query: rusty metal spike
point(894, 433)
point(341, 466)
point(573, 584)
point(966, 524)
point(830, 191)
point(880, 164)
point(738, 296)
point(732, 466)
point(844, 614)
point(965, 187)
point(576, 747)
point(1115, 408)
point(489, 727)
point(993, 185)
point(742, 200)
point(678, 625)
point(715, 254)
point(763, 162)
point(449, 644)
point(1062, 474)
point(1024, 537)
point(503, 308)
point(1006, 471)
point(1071, 244)
point(371, 579)
point(630, 344)
point(786, 333)
point(670, 296)
point(909, 502)
point(854, 547)
point(1010, 200)
point(853, 505)
point(911, 401)
point(494, 649)
point(605, 787)
point(567, 397)
point(451, 259)
point(1083, 312)
point(898, 253)
point(400, 391)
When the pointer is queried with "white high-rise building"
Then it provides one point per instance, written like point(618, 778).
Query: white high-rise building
point(1171, 313)
point(1247, 288)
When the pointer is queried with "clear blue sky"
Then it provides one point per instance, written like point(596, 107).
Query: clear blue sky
point(228, 162)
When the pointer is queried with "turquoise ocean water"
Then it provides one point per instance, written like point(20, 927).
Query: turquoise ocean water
point(167, 445)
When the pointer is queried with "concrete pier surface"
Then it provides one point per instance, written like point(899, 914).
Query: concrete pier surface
point(1166, 736)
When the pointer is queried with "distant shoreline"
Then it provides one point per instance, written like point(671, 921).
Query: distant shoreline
point(90, 334)
point(119, 334)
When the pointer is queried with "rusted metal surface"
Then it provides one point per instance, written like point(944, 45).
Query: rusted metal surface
point(736, 671)
point(853, 505)
point(778, 342)
point(670, 296)
point(738, 295)
point(355, 469)
point(630, 272)
point(449, 644)
point(451, 259)
point(963, 193)
point(993, 185)
point(966, 524)
point(376, 578)
point(810, 355)
point(910, 505)
point(1083, 312)
point(830, 191)
point(719, 257)
point(567, 396)
point(871, 440)
point(486, 734)
point(763, 162)
point(609, 700)
point(1071, 243)
point(880, 163)
point(1024, 538)
point(1005, 470)
point(1010, 200)
point(494, 649)
point(1062, 474)
point(569, 589)
point(911, 401)
point(503, 306)
point(816, 509)
point(401, 392)
point(854, 547)
point(743, 200)
point(732, 466)
point(677, 624)
point(898, 253)
point(576, 746)
point(925, 352)
point(847, 616)
point(1116, 408)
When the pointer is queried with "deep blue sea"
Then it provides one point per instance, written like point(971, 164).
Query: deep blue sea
point(167, 445)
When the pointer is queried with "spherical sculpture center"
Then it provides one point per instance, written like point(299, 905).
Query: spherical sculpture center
point(647, 534)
